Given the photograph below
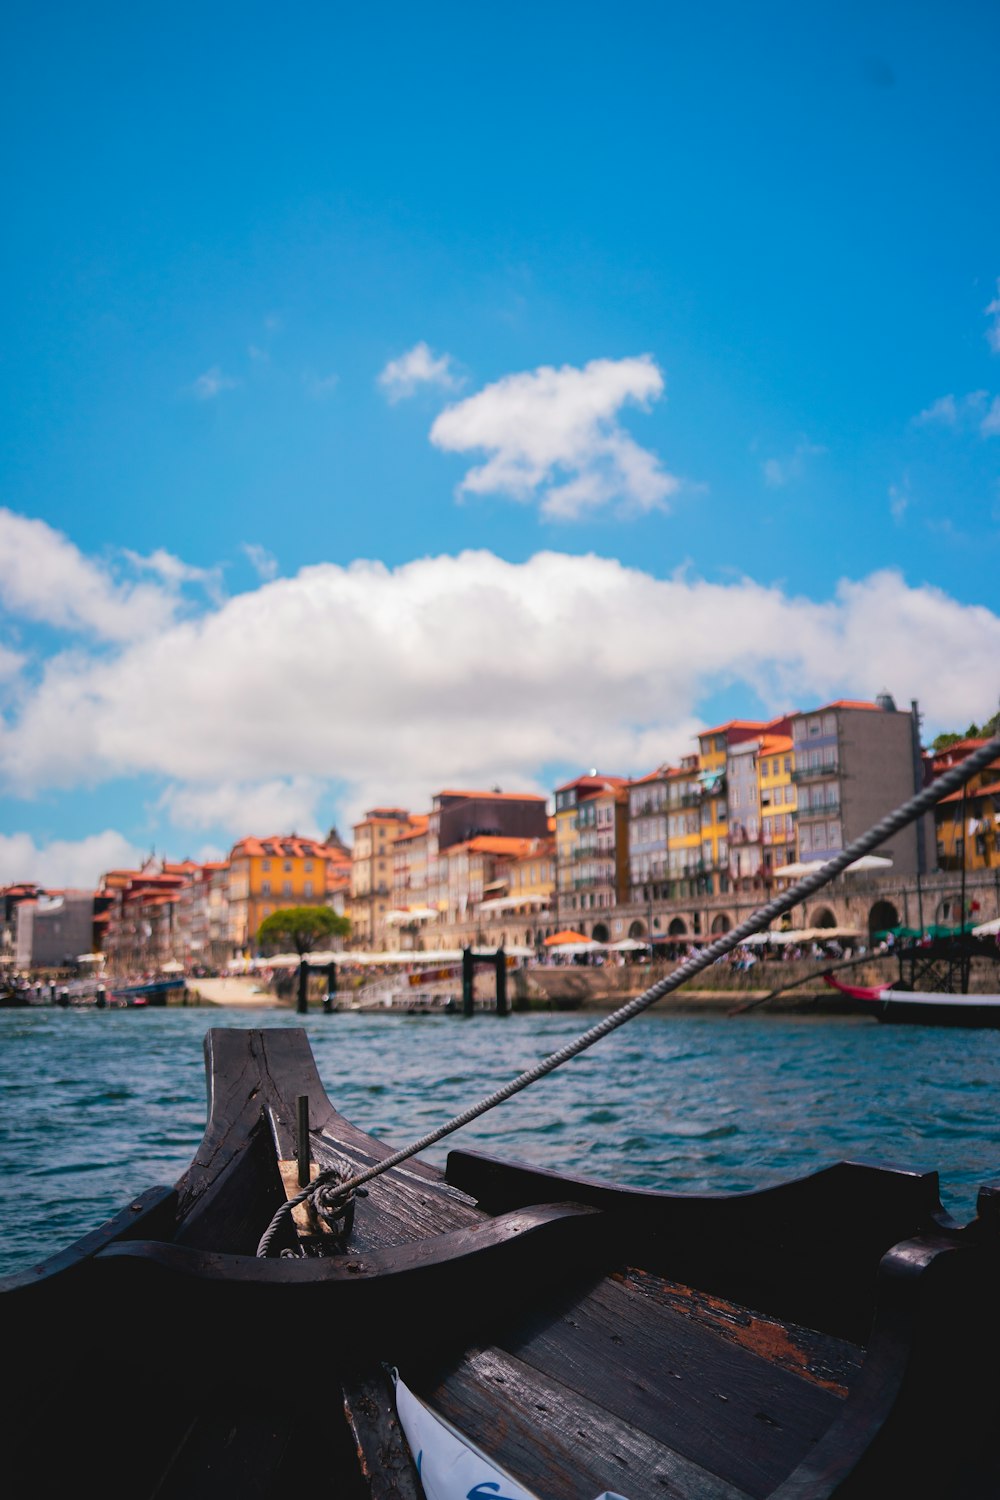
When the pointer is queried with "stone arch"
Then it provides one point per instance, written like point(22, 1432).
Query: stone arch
point(637, 930)
point(599, 932)
point(823, 917)
point(882, 916)
point(720, 924)
point(677, 928)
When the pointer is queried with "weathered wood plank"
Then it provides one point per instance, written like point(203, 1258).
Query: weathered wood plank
point(725, 1406)
point(557, 1443)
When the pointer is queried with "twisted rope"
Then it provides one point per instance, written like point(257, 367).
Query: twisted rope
point(330, 1190)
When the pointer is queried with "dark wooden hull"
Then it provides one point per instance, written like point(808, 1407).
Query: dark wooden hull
point(918, 1008)
point(818, 1338)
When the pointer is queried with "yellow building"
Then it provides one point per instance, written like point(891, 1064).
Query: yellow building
point(684, 834)
point(776, 766)
point(267, 875)
point(713, 752)
point(967, 823)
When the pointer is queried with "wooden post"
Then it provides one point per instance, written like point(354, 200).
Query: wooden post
point(331, 988)
point(302, 1137)
point(468, 970)
point(501, 963)
point(303, 1002)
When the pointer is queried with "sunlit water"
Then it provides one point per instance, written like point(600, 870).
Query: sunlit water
point(95, 1105)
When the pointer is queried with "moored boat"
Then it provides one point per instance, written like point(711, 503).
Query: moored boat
point(159, 991)
point(817, 1338)
point(921, 1007)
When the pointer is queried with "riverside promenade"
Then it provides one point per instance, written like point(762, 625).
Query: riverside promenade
point(232, 990)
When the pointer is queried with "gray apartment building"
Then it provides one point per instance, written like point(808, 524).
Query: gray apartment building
point(855, 762)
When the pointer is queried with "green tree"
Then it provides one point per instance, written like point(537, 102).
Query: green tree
point(303, 927)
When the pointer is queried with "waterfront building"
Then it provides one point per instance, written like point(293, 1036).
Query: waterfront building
point(140, 917)
point(268, 874)
point(410, 917)
point(967, 823)
point(522, 908)
point(206, 927)
point(591, 848)
point(686, 876)
point(714, 746)
point(457, 816)
point(647, 840)
point(372, 860)
point(855, 762)
point(11, 897)
point(53, 929)
point(777, 793)
point(750, 857)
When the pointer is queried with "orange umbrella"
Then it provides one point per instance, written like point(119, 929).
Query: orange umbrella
point(566, 937)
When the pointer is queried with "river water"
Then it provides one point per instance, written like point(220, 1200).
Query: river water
point(96, 1105)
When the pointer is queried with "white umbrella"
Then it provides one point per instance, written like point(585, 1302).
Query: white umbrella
point(172, 967)
point(809, 867)
point(987, 929)
point(626, 945)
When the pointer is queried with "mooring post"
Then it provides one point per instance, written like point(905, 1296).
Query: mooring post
point(331, 987)
point(303, 1003)
point(102, 997)
point(302, 1137)
point(468, 970)
point(501, 963)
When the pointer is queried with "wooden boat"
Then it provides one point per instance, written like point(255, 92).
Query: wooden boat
point(921, 1007)
point(145, 992)
point(830, 1336)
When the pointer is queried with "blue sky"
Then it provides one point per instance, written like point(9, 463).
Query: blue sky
point(404, 397)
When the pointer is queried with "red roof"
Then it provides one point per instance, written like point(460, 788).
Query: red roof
point(495, 796)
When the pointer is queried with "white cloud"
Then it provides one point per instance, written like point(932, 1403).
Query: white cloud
point(264, 564)
point(956, 412)
point(468, 669)
point(274, 806)
point(418, 366)
point(781, 471)
point(212, 383)
point(993, 331)
point(553, 435)
point(45, 578)
point(943, 412)
point(66, 864)
point(990, 425)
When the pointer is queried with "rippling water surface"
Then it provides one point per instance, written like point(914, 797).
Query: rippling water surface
point(95, 1105)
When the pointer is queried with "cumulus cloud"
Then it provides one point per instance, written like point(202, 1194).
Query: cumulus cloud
point(46, 579)
point(976, 410)
point(554, 435)
point(402, 377)
point(468, 669)
point(274, 806)
point(993, 313)
point(264, 564)
point(211, 384)
point(66, 864)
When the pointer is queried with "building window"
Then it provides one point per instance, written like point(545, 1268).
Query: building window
point(287, 866)
point(266, 864)
point(265, 887)
point(309, 865)
point(308, 888)
point(286, 888)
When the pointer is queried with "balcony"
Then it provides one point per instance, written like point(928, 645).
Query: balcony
point(828, 810)
point(809, 773)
